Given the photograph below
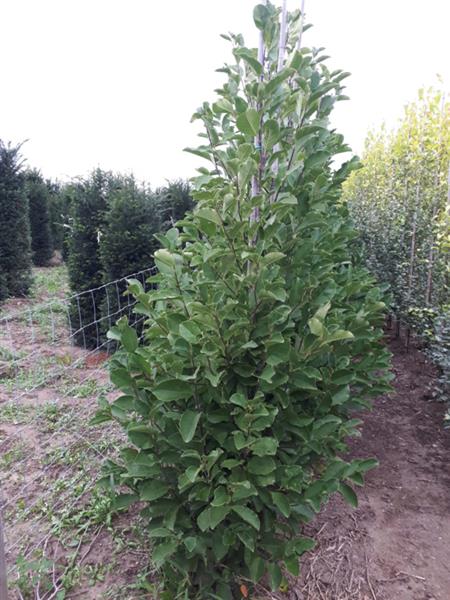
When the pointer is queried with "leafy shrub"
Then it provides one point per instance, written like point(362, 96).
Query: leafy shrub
point(262, 337)
point(41, 236)
point(15, 243)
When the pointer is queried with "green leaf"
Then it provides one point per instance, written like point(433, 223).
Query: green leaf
point(275, 576)
point(316, 327)
point(165, 261)
point(261, 16)
point(247, 537)
point(190, 331)
point(248, 122)
point(239, 399)
point(261, 466)
point(163, 551)
point(249, 58)
point(248, 515)
point(276, 81)
point(190, 543)
point(292, 565)
point(271, 257)
point(123, 501)
point(141, 436)
point(303, 545)
point(209, 215)
point(172, 390)
point(188, 425)
point(192, 473)
point(160, 532)
point(341, 396)
point(152, 490)
point(212, 516)
point(221, 497)
point(281, 503)
point(339, 335)
point(348, 494)
point(129, 339)
point(319, 158)
point(265, 446)
point(121, 378)
point(365, 465)
point(322, 312)
point(256, 569)
point(271, 133)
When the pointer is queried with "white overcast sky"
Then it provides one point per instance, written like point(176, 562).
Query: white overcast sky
point(113, 83)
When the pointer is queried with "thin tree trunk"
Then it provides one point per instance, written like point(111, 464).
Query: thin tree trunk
point(432, 244)
point(435, 210)
point(412, 252)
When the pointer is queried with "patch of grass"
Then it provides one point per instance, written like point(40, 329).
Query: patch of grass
point(33, 575)
point(9, 355)
point(91, 387)
point(28, 379)
point(50, 281)
point(15, 453)
point(14, 413)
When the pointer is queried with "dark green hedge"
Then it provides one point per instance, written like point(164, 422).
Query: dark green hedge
point(15, 242)
point(41, 235)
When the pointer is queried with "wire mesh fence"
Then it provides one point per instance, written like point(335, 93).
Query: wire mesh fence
point(52, 373)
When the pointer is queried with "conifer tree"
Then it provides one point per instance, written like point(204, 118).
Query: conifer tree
point(128, 241)
point(85, 267)
point(173, 202)
point(15, 243)
point(38, 201)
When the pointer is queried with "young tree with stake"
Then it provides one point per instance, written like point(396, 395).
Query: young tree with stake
point(261, 337)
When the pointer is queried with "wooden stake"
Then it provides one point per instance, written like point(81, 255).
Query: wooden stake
point(302, 23)
point(281, 53)
point(258, 138)
point(282, 40)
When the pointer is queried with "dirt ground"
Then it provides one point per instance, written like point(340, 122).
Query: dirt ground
point(396, 544)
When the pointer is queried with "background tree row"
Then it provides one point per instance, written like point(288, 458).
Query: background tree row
point(399, 201)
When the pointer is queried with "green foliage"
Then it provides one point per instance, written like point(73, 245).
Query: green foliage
point(127, 242)
point(60, 196)
point(172, 202)
point(112, 228)
point(41, 235)
point(128, 239)
point(15, 244)
point(262, 337)
point(84, 265)
point(399, 203)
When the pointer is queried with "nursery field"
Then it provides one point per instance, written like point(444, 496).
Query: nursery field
point(64, 539)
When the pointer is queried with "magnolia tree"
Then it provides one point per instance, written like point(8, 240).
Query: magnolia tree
point(262, 335)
